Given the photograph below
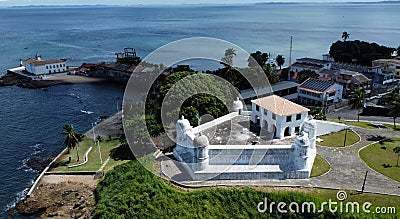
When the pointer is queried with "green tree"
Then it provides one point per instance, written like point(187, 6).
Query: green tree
point(357, 101)
point(398, 51)
point(306, 74)
point(392, 101)
point(227, 61)
point(280, 60)
point(397, 151)
point(259, 58)
point(72, 138)
point(135, 124)
point(271, 75)
point(345, 36)
point(99, 138)
point(394, 109)
point(359, 52)
point(319, 113)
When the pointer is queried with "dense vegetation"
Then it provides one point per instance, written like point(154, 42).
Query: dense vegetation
point(130, 191)
point(359, 52)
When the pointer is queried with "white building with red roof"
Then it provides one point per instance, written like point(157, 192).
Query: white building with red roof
point(278, 115)
point(38, 66)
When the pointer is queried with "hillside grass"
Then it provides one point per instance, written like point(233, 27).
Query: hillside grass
point(130, 191)
point(337, 139)
point(379, 154)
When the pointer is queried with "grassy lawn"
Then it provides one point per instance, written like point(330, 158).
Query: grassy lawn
point(376, 156)
point(392, 126)
point(337, 139)
point(365, 125)
point(320, 166)
point(94, 157)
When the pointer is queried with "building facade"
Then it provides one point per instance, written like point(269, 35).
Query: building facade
point(37, 66)
point(351, 80)
point(204, 160)
point(380, 78)
point(389, 65)
point(279, 116)
point(315, 92)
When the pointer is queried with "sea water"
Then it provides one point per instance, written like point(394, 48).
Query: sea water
point(31, 120)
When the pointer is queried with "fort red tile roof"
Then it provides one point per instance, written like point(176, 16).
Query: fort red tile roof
point(280, 106)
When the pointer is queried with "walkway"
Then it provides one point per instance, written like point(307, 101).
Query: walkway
point(347, 170)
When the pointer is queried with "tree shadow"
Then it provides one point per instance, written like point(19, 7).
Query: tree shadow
point(123, 152)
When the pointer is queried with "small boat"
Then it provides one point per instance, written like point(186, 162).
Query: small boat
point(87, 112)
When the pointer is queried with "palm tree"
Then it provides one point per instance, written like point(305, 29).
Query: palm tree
point(71, 139)
point(394, 109)
point(227, 61)
point(345, 36)
point(280, 60)
point(357, 101)
point(393, 103)
point(397, 151)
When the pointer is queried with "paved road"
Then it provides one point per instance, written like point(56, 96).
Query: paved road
point(347, 170)
point(351, 114)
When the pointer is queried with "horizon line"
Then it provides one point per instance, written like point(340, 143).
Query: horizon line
point(197, 4)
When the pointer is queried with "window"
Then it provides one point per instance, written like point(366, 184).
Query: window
point(266, 112)
point(273, 116)
point(257, 108)
point(288, 118)
point(298, 116)
point(57, 66)
point(297, 130)
point(49, 71)
point(47, 67)
point(54, 66)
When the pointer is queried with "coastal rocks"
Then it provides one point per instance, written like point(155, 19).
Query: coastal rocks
point(13, 79)
point(59, 200)
point(37, 163)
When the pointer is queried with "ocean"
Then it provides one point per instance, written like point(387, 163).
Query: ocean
point(31, 120)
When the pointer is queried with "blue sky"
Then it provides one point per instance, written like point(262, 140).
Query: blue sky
point(147, 2)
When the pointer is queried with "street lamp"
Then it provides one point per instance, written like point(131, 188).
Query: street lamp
point(101, 160)
point(94, 135)
point(345, 137)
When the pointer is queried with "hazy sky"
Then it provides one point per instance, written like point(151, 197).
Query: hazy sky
point(135, 2)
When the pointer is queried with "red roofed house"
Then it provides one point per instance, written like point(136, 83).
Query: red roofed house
point(37, 66)
point(278, 115)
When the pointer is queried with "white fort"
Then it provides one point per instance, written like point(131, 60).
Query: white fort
point(279, 144)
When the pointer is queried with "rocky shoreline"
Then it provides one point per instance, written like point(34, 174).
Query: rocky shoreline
point(64, 196)
point(15, 80)
point(73, 198)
